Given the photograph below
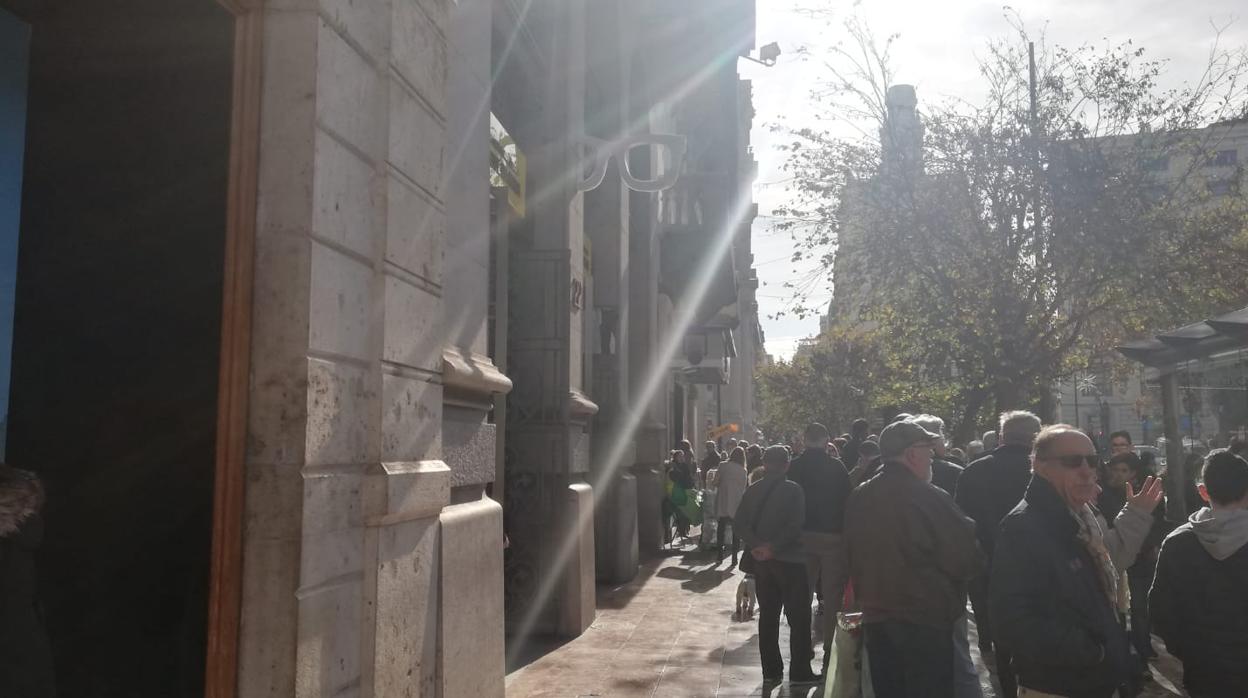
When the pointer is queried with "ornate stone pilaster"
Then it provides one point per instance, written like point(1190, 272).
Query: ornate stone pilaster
point(550, 565)
point(549, 502)
point(651, 442)
point(470, 562)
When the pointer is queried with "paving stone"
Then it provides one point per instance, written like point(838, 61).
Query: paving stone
point(671, 632)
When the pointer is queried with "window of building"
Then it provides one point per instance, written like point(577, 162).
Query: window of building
point(1225, 158)
point(1222, 187)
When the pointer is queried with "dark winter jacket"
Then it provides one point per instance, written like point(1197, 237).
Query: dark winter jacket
point(709, 462)
point(1047, 604)
point(1111, 501)
point(825, 483)
point(25, 657)
point(1198, 601)
point(680, 473)
point(849, 454)
point(991, 486)
point(873, 468)
point(945, 475)
point(911, 552)
point(772, 511)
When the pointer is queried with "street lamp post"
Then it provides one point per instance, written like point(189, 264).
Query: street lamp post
point(1076, 382)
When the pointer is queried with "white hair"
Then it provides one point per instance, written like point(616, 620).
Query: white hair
point(1019, 427)
point(990, 440)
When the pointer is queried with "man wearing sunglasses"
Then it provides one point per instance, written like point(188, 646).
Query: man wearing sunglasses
point(1057, 592)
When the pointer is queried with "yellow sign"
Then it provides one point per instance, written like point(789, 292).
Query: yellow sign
point(722, 430)
point(507, 165)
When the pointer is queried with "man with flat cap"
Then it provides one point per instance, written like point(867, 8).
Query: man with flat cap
point(769, 521)
point(911, 553)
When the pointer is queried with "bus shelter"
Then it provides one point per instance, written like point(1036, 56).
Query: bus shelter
point(1196, 384)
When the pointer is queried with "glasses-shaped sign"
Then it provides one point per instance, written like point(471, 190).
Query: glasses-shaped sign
point(666, 155)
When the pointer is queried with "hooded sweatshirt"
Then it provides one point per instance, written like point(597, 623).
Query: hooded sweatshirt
point(1222, 534)
point(1198, 603)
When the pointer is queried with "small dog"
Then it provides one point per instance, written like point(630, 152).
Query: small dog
point(745, 598)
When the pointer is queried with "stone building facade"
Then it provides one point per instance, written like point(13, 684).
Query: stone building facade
point(402, 337)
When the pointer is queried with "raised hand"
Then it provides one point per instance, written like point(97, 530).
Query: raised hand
point(1148, 497)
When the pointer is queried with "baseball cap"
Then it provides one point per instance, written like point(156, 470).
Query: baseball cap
point(899, 436)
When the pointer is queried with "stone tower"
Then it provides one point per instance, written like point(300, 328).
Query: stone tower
point(901, 137)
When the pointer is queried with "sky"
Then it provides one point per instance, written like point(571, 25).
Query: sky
point(936, 50)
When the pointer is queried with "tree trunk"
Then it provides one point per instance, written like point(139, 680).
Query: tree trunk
point(1046, 405)
point(967, 426)
point(1007, 394)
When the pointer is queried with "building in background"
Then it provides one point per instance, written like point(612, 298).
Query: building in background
point(901, 155)
point(1103, 398)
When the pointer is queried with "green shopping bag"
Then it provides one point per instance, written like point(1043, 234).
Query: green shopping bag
point(691, 507)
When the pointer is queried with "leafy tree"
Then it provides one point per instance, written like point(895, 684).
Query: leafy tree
point(998, 246)
point(841, 376)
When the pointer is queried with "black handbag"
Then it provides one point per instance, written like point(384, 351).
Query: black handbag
point(748, 564)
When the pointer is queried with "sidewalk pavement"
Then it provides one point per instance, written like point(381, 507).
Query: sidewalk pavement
point(670, 632)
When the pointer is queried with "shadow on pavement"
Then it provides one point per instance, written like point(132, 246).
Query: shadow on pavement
point(695, 580)
point(745, 654)
point(617, 596)
point(532, 649)
point(706, 580)
point(675, 572)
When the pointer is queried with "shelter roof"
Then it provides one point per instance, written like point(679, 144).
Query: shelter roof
point(1193, 341)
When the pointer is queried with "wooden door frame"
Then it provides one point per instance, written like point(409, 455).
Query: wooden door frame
point(228, 508)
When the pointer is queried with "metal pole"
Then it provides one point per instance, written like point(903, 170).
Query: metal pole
point(1035, 147)
point(1176, 477)
point(1076, 380)
point(1243, 382)
point(719, 406)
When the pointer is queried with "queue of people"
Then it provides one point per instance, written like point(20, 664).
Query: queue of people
point(1065, 557)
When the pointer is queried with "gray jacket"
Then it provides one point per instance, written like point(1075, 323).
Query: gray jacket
point(1126, 537)
point(778, 522)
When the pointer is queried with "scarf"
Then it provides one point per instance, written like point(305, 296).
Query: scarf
point(1093, 538)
